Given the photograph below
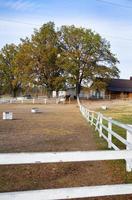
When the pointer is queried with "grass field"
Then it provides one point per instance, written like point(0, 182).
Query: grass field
point(120, 111)
point(117, 109)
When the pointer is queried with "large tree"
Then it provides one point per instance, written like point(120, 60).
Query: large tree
point(9, 69)
point(45, 50)
point(15, 67)
point(85, 56)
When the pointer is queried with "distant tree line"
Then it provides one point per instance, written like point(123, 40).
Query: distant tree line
point(55, 59)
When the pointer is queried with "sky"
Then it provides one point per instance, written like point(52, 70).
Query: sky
point(111, 19)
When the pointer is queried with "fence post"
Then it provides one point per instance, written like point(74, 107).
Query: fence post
point(100, 125)
point(109, 133)
point(45, 101)
point(92, 119)
point(80, 108)
point(11, 100)
point(128, 147)
point(97, 122)
point(85, 112)
point(87, 115)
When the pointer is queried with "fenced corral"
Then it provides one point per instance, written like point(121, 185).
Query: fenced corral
point(74, 156)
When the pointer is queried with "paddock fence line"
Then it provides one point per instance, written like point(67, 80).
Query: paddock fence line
point(21, 100)
point(34, 100)
point(104, 125)
point(95, 119)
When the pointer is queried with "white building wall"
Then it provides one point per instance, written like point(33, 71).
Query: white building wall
point(61, 93)
point(54, 94)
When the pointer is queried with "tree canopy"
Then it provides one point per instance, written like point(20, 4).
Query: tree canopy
point(85, 56)
point(10, 79)
point(44, 53)
point(56, 58)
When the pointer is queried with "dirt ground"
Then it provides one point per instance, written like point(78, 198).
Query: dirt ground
point(55, 128)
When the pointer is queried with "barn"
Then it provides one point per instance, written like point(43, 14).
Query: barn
point(120, 88)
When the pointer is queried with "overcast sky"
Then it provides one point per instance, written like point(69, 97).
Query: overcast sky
point(112, 19)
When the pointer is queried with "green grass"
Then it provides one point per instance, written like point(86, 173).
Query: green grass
point(123, 114)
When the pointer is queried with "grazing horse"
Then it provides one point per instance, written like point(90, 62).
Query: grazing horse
point(67, 97)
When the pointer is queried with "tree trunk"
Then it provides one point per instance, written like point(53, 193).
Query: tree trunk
point(78, 88)
point(49, 92)
point(14, 92)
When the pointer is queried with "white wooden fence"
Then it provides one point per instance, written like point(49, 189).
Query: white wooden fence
point(32, 100)
point(66, 193)
point(69, 193)
point(95, 119)
point(104, 124)
point(27, 101)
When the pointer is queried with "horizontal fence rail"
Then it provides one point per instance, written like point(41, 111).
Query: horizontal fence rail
point(77, 156)
point(97, 119)
point(21, 100)
point(69, 193)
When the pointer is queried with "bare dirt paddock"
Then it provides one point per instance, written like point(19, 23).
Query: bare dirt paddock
point(55, 128)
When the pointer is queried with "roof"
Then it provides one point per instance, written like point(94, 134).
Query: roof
point(120, 85)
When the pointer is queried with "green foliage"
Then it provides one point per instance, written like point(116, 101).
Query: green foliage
point(85, 56)
point(15, 66)
point(54, 59)
point(9, 69)
point(45, 50)
point(24, 61)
